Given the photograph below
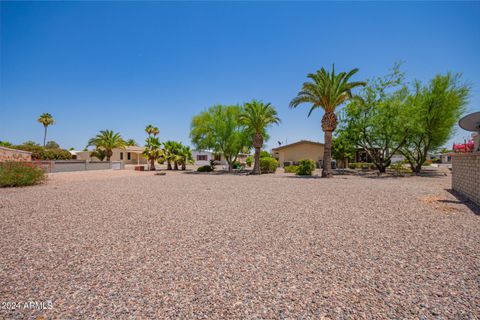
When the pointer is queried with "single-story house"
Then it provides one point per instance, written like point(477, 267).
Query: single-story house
point(7, 154)
point(129, 155)
point(203, 157)
point(294, 152)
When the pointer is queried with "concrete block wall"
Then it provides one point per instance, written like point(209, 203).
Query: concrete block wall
point(466, 175)
point(7, 154)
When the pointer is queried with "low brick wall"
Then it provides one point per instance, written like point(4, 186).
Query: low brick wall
point(466, 175)
point(7, 154)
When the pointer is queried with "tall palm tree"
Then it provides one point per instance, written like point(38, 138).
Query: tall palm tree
point(46, 119)
point(107, 140)
point(327, 91)
point(151, 130)
point(258, 116)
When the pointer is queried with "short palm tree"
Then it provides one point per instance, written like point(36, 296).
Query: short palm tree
point(258, 116)
point(46, 119)
point(185, 157)
point(171, 150)
point(107, 140)
point(153, 151)
point(327, 91)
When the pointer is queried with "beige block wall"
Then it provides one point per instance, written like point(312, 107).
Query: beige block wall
point(466, 175)
point(7, 154)
point(299, 152)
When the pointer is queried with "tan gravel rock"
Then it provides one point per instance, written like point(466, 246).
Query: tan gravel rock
point(125, 244)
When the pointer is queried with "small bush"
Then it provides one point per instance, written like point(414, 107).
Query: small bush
point(361, 165)
point(268, 165)
point(41, 153)
point(265, 154)
point(427, 163)
point(236, 165)
point(249, 161)
point(205, 169)
point(291, 169)
point(20, 174)
point(399, 168)
point(306, 167)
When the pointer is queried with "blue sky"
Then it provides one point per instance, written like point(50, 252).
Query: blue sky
point(122, 65)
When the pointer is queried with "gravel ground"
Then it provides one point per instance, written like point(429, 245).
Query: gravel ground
point(124, 244)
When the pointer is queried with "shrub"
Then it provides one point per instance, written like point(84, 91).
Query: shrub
point(249, 161)
point(399, 168)
point(427, 163)
point(306, 167)
point(41, 153)
point(291, 169)
point(361, 165)
point(265, 154)
point(268, 165)
point(205, 169)
point(236, 165)
point(19, 174)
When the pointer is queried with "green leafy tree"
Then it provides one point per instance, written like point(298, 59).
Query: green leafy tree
point(374, 120)
point(52, 145)
point(433, 111)
point(220, 130)
point(343, 149)
point(327, 90)
point(47, 120)
point(107, 140)
point(257, 117)
point(6, 144)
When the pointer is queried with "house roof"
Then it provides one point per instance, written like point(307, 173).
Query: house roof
point(297, 143)
point(134, 149)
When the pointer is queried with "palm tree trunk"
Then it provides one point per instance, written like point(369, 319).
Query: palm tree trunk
point(257, 144)
point(327, 156)
point(45, 137)
point(256, 166)
point(152, 164)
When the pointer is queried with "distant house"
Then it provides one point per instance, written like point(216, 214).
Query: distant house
point(129, 155)
point(292, 153)
point(203, 157)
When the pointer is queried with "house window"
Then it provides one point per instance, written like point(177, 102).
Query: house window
point(218, 157)
point(202, 157)
point(121, 155)
point(129, 156)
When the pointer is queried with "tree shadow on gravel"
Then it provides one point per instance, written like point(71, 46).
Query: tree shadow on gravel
point(462, 200)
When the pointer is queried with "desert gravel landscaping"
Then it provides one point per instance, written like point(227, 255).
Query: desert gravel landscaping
point(125, 245)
